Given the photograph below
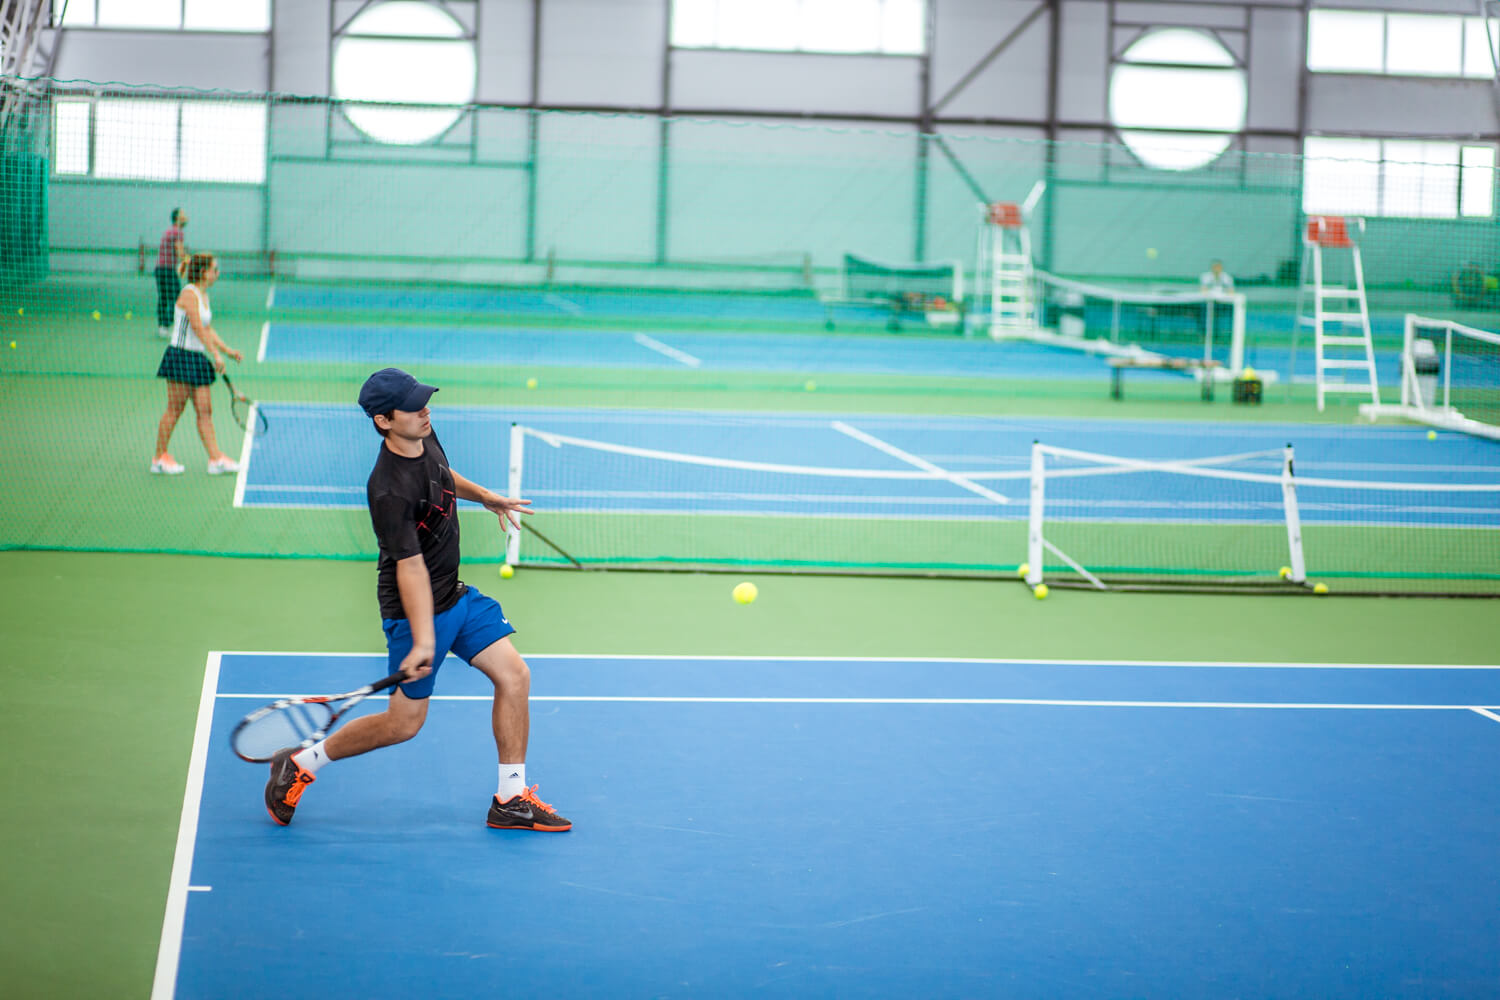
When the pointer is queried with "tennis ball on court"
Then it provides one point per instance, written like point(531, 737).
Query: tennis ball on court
point(1432, 435)
point(531, 383)
point(97, 315)
point(12, 345)
point(1023, 569)
point(1247, 372)
point(1321, 588)
point(507, 571)
point(1041, 592)
point(20, 312)
point(1286, 572)
point(746, 592)
point(129, 314)
point(810, 385)
point(1151, 253)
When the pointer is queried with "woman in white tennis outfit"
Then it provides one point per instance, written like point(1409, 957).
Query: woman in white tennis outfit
point(189, 372)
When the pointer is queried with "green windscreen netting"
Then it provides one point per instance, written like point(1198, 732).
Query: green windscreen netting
point(765, 345)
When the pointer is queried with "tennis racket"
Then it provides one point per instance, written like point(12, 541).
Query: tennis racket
point(297, 722)
point(242, 406)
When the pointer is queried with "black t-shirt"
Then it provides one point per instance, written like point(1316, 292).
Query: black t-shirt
point(414, 509)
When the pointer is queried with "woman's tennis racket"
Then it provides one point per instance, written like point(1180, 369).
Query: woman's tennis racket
point(297, 722)
point(242, 406)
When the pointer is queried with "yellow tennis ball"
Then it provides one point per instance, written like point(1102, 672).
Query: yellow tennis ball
point(1151, 253)
point(129, 314)
point(1321, 588)
point(20, 312)
point(1041, 591)
point(746, 592)
point(1023, 569)
point(810, 385)
point(1432, 435)
point(12, 345)
point(1286, 572)
point(507, 571)
point(97, 315)
point(531, 383)
point(1247, 372)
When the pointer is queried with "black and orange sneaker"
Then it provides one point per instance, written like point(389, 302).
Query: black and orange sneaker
point(284, 790)
point(525, 812)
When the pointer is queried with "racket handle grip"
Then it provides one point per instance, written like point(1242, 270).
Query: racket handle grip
point(390, 680)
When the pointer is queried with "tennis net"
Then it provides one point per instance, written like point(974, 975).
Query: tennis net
point(1450, 377)
point(1177, 324)
point(1246, 520)
point(627, 506)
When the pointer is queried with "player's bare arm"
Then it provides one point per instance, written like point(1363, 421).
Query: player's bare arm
point(508, 509)
point(416, 600)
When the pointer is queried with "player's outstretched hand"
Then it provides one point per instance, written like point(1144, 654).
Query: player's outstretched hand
point(507, 509)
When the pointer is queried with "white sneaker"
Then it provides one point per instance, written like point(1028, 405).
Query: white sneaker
point(220, 466)
point(166, 466)
point(164, 332)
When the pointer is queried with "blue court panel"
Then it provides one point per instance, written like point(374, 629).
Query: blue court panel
point(320, 456)
point(810, 354)
point(867, 848)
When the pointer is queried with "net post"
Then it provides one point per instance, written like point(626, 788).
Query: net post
point(1408, 363)
point(1293, 520)
point(513, 490)
point(1034, 523)
point(1237, 333)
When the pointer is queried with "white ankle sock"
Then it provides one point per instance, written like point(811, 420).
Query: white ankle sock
point(512, 781)
point(313, 757)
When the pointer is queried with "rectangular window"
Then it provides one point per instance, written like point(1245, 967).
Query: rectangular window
point(1368, 41)
point(1397, 177)
point(895, 27)
point(1477, 182)
point(224, 142)
point(135, 138)
point(1345, 41)
point(161, 140)
point(1419, 45)
point(70, 135)
point(1341, 176)
point(1481, 36)
point(165, 15)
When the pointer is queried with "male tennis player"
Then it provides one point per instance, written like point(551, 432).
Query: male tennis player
point(427, 611)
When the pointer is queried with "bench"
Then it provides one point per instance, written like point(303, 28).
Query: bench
point(1197, 368)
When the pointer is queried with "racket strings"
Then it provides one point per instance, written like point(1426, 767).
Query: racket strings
point(289, 726)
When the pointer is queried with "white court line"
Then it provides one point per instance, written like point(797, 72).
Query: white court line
point(1486, 713)
point(269, 696)
point(200, 888)
point(265, 334)
point(920, 463)
point(271, 295)
point(248, 445)
point(563, 304)
point(170, 950)
point(995, 661)
point(669, 351)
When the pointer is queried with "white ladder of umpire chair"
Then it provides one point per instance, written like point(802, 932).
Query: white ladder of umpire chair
point(1345, 362)
point(1005, 251)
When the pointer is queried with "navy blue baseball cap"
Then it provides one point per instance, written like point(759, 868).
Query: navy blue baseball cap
point(393, 389)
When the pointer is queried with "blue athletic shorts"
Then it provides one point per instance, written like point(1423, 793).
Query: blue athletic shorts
point(466, 630)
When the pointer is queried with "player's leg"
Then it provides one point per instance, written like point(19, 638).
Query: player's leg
point(485, 643)
point(167, 289)
point(203, 407)
point(177, 395)
point(292, 770)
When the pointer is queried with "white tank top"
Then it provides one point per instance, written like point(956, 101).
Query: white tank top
point(182, 330)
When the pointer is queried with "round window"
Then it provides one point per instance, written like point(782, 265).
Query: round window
point(1171, 79)
point(403, 52)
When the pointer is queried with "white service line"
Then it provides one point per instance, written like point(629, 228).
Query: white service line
point(1487, 714)
point(668, 350)
point(169, 952)
point(921, 463)
point(563, 304)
